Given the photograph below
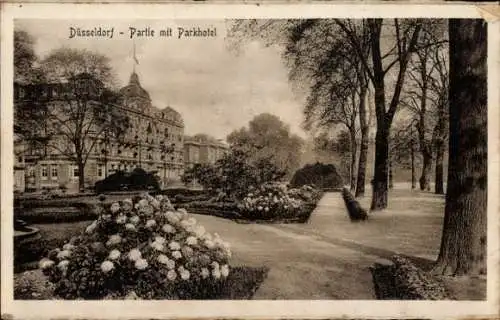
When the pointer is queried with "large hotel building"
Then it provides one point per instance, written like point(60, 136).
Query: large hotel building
point(153, 141)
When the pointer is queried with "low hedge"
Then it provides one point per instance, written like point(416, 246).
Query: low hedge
point(28, 249)
point(172, 192)
point(53, 203)
point(57, 214)
point(230, 210)
point(181, 198)
point(354, 209)
point(227, 210)
point(400, 279)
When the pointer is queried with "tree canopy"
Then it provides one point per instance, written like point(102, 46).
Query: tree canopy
point(267, 138)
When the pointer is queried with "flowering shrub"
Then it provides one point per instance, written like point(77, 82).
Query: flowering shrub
point(270, 201)
point(142, 249)
point(305, 193)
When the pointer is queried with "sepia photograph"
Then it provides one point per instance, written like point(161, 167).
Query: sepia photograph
point(263, 159)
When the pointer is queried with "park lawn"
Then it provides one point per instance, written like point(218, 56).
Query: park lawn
point(56, 234)
point(329, 257)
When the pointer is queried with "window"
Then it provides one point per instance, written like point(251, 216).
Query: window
point(44, 173)
point(53, 172)
point(76, 172)
point(20, 159)
point(99, 171)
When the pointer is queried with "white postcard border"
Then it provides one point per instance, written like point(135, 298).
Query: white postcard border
point(244, 309)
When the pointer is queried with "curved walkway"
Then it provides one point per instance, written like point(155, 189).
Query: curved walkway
point(329, 257)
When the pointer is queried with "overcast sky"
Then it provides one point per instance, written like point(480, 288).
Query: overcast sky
point(215, 90)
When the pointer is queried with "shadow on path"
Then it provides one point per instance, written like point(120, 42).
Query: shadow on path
point(380, 252)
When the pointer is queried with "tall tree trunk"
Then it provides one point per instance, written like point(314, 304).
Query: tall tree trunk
point(463, 244)
point(391, 176)
point(439, 137)
point(385, 117)
point(354, 152)
point(380, 183)
point(363, 151)
point(425, 177)
point(413, 171)
point(439, 181)
point(81, 175)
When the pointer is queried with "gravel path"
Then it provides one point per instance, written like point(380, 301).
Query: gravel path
point(329, 257)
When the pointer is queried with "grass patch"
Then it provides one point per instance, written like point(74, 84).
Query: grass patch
point(52, 236)
point(243, 282)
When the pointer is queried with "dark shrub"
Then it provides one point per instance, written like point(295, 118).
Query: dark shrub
point(323, 176)
point(142, 180)
point(55, 211)
point(400, 279)
point(172, 192)
point(138, 179)
point(113, 182)
point(354, 209)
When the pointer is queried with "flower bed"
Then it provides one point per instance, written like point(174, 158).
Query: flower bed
point(276, 203)
point(400, 279)
point(270, 203)
point(143, 249)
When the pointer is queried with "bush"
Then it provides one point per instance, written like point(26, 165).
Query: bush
point(227, 210)
point(31, 285)
point(140, 249)
point(233, 174)
point(85, 212)
point(354, 209)
point(400, 279)
point(306, 193)
point(323, 176)
point(141, 180)
point(270, 201)
point(138, 179)
point(28, 248)
point(53, 211)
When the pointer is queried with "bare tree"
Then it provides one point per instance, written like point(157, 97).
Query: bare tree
point(75, 119)
point(424, 93)
point(440, 86)
point(320, 60)
point(405, 35)
point(403, 148)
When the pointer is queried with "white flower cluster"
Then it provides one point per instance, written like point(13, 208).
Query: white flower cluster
point(151, 236)
point(270, 200)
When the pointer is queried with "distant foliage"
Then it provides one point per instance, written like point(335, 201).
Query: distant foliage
point(319, 175)
point(232, 176)
point(268, 139)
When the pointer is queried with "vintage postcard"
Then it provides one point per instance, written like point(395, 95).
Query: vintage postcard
point(249, 161)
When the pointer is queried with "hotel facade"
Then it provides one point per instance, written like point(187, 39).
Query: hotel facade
point(203, 149)
point(153, 141)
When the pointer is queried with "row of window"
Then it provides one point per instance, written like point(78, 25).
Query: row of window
point(53, 91)
point(52, 172)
